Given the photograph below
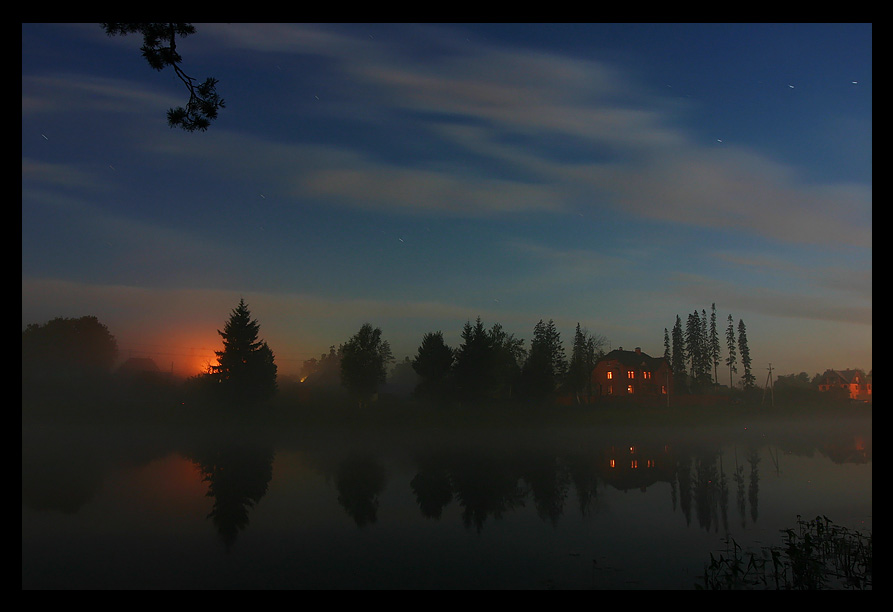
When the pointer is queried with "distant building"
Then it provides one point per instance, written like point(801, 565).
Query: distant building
point(636, 374)
point(856, 382)
point(142, 369)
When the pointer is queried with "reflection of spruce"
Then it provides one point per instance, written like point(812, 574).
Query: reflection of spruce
point(754, 488)
point(581, 471)
point(549, 485)
point(485, 486)
point(237, 479)
point(433, 492)
point(359, 481)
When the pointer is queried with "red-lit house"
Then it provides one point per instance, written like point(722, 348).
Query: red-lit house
point(632, 374)
point(857, 384)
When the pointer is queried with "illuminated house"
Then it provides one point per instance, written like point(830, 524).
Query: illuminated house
point(632, 374)
point(857, 384)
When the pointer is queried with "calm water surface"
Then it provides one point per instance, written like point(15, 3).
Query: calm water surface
point(610, 508)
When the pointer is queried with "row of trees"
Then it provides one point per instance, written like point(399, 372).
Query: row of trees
point(694, 351)
point(489, 364)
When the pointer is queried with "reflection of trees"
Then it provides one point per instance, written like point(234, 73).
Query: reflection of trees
point(490, 484)
point(432, 488)
point(485, 485)
point(549, 484)
point(237, 477)
point(360, 479)
point(738, 478)
point(707, 491)
point(753, 489)
point(582, 474)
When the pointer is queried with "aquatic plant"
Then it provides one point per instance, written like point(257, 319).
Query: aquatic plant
point(816, 555)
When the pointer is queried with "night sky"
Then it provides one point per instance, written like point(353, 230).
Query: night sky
point(417, 176)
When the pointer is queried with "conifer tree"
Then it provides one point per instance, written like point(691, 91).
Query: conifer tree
point(546, 366)
point(474, 361)
point(693, 345)
point(160, 51)
point(508, 357)
point(714, 343)
point(732, 359)
point(586, 350)
point(748, 379)
point(246, 368)
point(433, 363)
point(678, 358)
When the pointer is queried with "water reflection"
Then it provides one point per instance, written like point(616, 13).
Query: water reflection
point(237, 476)
point(360, 479)
point(712, 479)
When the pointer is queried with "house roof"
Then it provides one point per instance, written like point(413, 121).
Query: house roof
point(633, 359)
point(139, 364)
point(845, 376)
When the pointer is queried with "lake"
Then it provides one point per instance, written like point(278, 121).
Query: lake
point(549, 507)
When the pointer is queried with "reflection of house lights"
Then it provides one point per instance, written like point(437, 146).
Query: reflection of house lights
point(612, 463)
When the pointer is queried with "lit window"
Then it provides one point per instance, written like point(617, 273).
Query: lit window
point(634, 463)
point(629, 388)
point(610, 375)
point(646, 375)
point(630, 374)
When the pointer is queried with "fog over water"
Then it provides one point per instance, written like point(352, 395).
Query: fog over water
point(487, 505)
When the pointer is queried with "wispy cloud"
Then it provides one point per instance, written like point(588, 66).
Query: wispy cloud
point(813, 305)
point(662, 174)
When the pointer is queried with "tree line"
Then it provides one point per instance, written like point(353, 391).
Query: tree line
point(693, 351)
point(489, 364)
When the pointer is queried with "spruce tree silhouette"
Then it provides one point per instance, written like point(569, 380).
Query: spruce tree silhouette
point(246, 369)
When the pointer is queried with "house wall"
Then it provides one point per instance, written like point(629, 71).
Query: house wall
point(613, 378)
point(858, 388)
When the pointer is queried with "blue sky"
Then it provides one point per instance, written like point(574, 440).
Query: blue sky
point(417, 176)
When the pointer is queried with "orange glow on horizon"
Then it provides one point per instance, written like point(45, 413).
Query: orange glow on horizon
point(183, 353)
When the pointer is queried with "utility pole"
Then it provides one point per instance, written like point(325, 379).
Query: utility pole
point(769, 388)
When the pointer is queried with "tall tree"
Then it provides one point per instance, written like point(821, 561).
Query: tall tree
point(364, 361)
point(474, 362)
point(748, 379)
point(667, 353)
point(246, 368)
point(67, 350)
point(433, 363)
point(587, 348)
point(678, 358)
point(160, 50)
point(732, 359)
point(714, 343)
point(487, 362)
point(705, 349)
point(693, 345)
point(508, 358)
point(546, 365)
